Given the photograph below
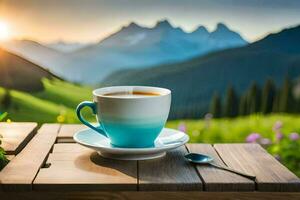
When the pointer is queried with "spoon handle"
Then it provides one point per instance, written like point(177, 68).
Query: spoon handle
point(234, 171)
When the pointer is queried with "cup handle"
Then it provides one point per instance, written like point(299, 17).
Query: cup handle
point(93, 106)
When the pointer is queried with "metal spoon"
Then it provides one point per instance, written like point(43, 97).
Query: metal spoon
point(205, 159)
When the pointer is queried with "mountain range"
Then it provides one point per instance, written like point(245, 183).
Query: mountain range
point(131, 47)
point(193, 82)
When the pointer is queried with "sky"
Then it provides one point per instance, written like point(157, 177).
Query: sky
point(90, 20)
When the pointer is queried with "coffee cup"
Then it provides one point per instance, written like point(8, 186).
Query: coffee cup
point(130, 116)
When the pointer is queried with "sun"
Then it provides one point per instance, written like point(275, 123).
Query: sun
point(4, 31)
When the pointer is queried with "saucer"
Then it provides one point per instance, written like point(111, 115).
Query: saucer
point(167, 140)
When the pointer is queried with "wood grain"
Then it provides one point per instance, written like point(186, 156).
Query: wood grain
point(169, 173)
point(186, 195)
point(22, 169)
point(16, 136)
point(253, 159)
point(67, 131)
point(216, 179)
point(83, 169)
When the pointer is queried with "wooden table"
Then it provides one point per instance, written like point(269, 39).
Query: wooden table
point(52, 166)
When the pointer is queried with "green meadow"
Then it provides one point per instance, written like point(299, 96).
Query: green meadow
point(56, 103)
point(237, 129)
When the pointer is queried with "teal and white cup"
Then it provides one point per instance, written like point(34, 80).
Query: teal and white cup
point(130, 116)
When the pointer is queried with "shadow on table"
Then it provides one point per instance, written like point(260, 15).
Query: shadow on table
point(92, 162)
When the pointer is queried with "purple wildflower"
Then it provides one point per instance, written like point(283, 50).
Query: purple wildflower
point(182, 127)
point(294, 136)
point(277, 126)
point(253, 137)
point(279, 136)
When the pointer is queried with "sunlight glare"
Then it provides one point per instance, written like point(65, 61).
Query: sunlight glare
point(4, 31)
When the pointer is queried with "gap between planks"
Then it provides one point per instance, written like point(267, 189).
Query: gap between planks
point(77, 168)
point(19, 174)
point(215, 179)
point(271, 175)
point(16, 135)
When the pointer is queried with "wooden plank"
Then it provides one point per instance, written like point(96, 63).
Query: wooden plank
point(216, 179)
point(83, 169)
point(67, 131)
point(128, 195)
point(169, 173)
point(21, 171)
point(253, 159)
point(68, 148)
point(16, 136)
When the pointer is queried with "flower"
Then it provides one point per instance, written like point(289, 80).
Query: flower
point(60, 118)
point(294, 136)
point(182, 127)
point(277, 126)
point(253, 137)
point(279, 136)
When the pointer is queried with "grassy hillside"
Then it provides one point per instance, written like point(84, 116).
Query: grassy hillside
point(237, 130)
point(195, 81)
point(64, 93)
point(21, 74)
point(56, 103)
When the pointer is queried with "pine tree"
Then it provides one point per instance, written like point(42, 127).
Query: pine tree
point(268, 96)
point(297, 105)
point(254, 97)
point(243, 105)
point(286, 101)
point(215, 106)
point(231, 103)
point(275, 106)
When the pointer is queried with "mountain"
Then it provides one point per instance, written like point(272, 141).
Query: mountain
point(20, 74)
point(224, 37)
point(133, 46)
point(194, 81)
point(66, 47)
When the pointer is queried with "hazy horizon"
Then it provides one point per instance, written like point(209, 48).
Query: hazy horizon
point(90, 21)
point(118, 29)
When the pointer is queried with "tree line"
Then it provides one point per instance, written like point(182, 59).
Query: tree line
point(267, 99)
